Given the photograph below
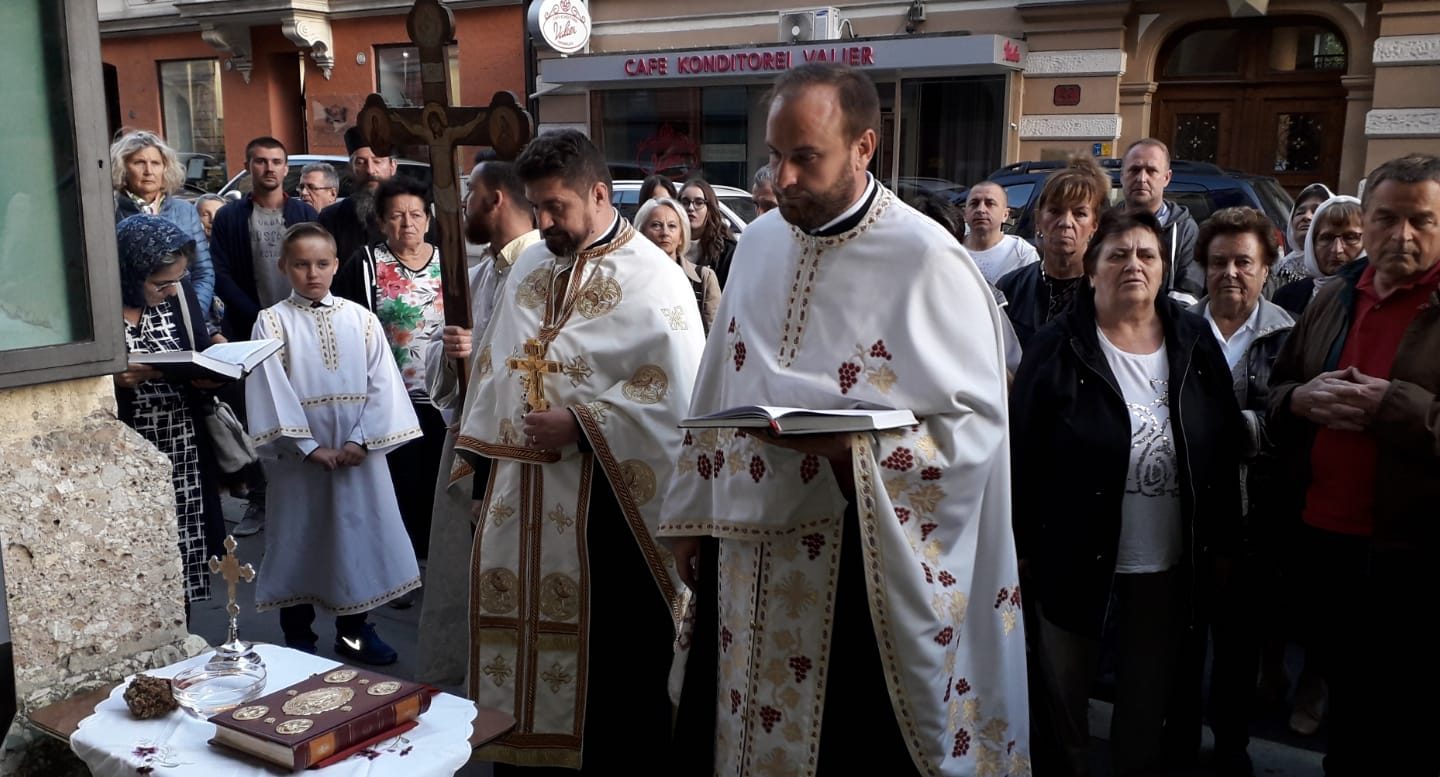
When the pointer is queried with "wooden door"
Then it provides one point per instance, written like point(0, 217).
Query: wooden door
point(1298, 140)
point(1199, 124)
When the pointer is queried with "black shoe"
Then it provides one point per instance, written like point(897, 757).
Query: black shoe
point(402, 602)
point(365, 647)
point(303, 645)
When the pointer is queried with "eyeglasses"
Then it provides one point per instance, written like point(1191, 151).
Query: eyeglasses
point(697, 203)
point(1348, 238)
point(168, 285)
point(305, 187)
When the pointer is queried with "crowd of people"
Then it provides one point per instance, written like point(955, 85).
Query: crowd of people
point(1185, 443)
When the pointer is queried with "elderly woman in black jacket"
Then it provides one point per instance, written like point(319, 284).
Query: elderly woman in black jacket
point(1125, 438)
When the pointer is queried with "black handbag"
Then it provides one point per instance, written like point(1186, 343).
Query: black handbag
point(228, 439)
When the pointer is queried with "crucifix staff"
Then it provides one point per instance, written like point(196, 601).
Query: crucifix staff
point(503, 125)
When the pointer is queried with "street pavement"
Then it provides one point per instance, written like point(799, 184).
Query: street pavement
point(1276, 752)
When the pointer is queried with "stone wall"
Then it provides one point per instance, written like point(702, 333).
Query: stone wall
point(92, 569)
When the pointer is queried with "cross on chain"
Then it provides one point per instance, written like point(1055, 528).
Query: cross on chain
point(504, 126)
point(233, 571)
point(534, 367)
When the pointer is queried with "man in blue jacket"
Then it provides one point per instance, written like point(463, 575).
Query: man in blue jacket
point(245, 242)
point(245, 238)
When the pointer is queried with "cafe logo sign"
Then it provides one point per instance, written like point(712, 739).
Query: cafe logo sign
point(563, 25)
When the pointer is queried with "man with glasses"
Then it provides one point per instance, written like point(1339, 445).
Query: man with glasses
point(245, 242)
point(319, 185)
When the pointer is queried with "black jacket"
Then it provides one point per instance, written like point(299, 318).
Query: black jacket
point(235, 263)
point(1070, 446)
point(344, 225)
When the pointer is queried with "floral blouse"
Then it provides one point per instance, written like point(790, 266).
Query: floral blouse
point(412, 309)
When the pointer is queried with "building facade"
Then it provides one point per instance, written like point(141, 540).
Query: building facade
point(209, 75)
point(1303, 90)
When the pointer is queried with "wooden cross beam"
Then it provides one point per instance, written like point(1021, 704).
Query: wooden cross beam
point(503, 126)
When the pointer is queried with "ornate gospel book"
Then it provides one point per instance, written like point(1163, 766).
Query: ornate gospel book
point(324, 716)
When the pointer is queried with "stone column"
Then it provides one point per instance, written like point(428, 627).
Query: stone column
point(1072, 48)
point(92, 567)
point(1405, 113)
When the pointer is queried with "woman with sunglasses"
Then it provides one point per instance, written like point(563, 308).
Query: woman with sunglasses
point(155, 260)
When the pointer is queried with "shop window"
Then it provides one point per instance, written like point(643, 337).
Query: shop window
point(194, 117)
point(950, 134)
point(59, 300)
point(654, 131)
point(397, 74)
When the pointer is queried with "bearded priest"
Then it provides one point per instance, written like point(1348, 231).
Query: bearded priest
point(583, 374)
point(869, 602)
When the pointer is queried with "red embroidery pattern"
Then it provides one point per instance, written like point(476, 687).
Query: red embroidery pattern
point(946, 579)
point(734, 701)
point(769, 716)
point(903, 513)
point(930, 473)
point(813, 543)
point(929, 576)
point(900, 459)
point(801, 666)
point(719, 461)
point(962, 743)
point(737, 345)
point(1012, 595)
point(757, 468)
point(872, 363)
point(809, 468)
point(925, 529)
point(962, 687)
point(726, 638)
point(945, 636)
point(739, 355)
point(702, 465)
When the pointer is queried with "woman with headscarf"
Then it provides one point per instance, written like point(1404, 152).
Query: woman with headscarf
point(155, 259)
point(663, 221)
point(1291, 267)
point(1332, 242)
point(146, 175)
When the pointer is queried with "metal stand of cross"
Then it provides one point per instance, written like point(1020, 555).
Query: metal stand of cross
point(504, 126)
point(232, 571)
point(534, 366)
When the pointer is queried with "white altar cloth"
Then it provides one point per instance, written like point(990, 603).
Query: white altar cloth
point(113, 743)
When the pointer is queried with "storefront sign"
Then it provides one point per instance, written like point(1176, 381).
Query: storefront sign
point(563, 25)
point(949, 53)
point(1066, 95)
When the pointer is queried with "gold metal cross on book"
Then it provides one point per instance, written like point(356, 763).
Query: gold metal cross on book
point(532, 369)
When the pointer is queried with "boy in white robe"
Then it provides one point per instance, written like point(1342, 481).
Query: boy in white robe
point(323, 413)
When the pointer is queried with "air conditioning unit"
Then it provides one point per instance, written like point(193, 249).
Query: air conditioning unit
point(810, 24)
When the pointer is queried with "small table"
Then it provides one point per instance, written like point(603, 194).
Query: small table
point(180, 732)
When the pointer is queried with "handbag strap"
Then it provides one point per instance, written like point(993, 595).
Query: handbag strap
point(183, 300)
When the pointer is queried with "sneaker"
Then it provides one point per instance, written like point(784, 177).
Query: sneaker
point(365, 647)
point(252, 523)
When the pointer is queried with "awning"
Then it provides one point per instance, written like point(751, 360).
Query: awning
point(908, 56)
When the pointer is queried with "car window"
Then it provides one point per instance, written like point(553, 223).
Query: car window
point(1018, 195)
point(1274, 199)
point(744, 207)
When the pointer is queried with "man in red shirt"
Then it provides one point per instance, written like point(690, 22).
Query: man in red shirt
point(1355, 403)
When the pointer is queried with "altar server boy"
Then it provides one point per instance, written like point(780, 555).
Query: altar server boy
point(323, 412)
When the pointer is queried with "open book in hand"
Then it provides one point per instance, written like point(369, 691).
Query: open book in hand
point(223, 361)
point(798, 420)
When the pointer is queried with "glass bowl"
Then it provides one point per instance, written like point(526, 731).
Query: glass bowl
point(217, 687)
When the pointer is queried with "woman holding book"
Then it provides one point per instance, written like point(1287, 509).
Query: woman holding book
point(663, 221)
point(155, 257)
point(1125, 442)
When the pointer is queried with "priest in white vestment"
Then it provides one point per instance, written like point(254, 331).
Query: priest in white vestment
point(579, 383)
point(497, 216)
point(323, 412)
point(869, 593)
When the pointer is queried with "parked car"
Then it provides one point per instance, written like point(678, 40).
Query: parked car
point(735, 204)
point(1202, 188)
point(240, 184)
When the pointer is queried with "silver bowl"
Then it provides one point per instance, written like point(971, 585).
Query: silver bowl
point(218, 687)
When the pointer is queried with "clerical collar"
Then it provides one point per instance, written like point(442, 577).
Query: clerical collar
point(301, 301)
point(851, 217)
point(506, 256)
point(609, 233)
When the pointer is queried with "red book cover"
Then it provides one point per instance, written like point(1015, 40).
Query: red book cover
point(322, 716)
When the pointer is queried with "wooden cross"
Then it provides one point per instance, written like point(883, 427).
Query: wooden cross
point(233, 572)
point(533, 368)
point(504, 126)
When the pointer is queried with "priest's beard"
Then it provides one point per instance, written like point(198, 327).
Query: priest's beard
point(563, 243)
point(812, 210)
point(364, 198)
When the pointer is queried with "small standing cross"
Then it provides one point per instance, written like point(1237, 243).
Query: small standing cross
point(533, 368)
point(233, 572)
